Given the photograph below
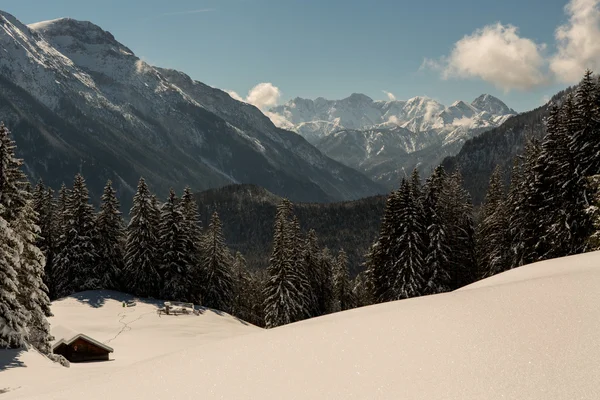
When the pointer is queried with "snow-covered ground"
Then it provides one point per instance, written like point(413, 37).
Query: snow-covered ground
point(530, 333)
point(137, 334)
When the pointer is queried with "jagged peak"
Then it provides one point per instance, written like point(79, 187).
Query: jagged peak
point(492, 104)
point(12, 20)
point(360, 97)
point(83, 31)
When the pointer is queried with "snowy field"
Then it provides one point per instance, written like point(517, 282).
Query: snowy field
point(530, 333)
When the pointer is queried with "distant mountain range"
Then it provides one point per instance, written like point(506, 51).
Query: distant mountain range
point(77, 100)
point(479, 156)
point(387, 139)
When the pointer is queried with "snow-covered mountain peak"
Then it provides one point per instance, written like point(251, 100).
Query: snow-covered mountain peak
point(72, 32)
point(357, 98)
point(491, 104)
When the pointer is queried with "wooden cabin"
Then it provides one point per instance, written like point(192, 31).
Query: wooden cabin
point(78, 347)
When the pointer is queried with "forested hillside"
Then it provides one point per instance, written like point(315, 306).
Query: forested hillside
point(479, 156)
point(248, 215)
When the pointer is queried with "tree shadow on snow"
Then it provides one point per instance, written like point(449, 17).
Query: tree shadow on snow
point(10, 359)
point(97, 298)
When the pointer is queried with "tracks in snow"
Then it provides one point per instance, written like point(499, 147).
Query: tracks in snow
point(126, 327)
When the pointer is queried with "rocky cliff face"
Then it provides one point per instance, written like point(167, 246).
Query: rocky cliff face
point(77, 100)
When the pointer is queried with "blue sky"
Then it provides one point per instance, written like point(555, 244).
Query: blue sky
point(332, 48)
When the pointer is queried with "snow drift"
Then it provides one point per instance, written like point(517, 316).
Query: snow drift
point(530, 333)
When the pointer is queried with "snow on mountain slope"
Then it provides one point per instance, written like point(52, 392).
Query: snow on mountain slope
point(439, 130)
point(137, 334)
point(528, 334)
point(77, 100)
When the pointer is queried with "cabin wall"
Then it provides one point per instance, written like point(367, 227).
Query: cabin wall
point(81, 350)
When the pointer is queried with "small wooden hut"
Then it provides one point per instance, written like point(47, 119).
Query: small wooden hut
point(78, 347)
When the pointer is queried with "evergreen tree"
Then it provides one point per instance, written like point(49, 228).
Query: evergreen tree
point(194, 237)
point(344, 295)
point(76, 263)
point(241, 306)
point(13, 318)
point(524, 203)
point(381, 257)
point(315, 275)
point(217, 291)
point(360, 290)
point(438, 247)
point(110, 240)
point(256, 299)
point(327, 292)
point(492, 233)
point(13, 195)
point(33, 293)
point(43, 203)
point(585, 140)
point(174, 244)
point(457, 212)
point(285, 290)
point(141, 266)
point(409, 247)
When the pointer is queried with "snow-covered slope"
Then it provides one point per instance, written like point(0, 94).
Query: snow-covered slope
point(439, 130)
point(528, 334)
point(137, 334)
point(78, 100)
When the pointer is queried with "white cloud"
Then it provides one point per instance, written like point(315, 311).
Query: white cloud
point(389, 95)
point(495, 54)
point(264, 95)
point(578, 41)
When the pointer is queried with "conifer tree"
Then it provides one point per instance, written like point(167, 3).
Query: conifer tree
point(61, 212)
point(217, 279)
point(381, 257)
point(344, 295)
point(492, 236)
point(76, 263)
point(327, 294)
point(313, 272)
point(457, 211)
point(13, 195)
point(360, 290)
point(194, 237)
point(438, 243)
point(241, 306)
point(110, 240)
point(141, 253)
point(408, 261)
point(13, 318)
point(173, 244)
point(585, 139)
point(43, 203)
point(285, 290)
point(33, 293)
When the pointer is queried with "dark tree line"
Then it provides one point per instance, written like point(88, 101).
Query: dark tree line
point(429, 243)
point(550, 208)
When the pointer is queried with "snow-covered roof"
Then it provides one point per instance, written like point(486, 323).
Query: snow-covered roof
point(64, 335)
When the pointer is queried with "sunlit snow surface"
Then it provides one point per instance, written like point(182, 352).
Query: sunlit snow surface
point(531, 333)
